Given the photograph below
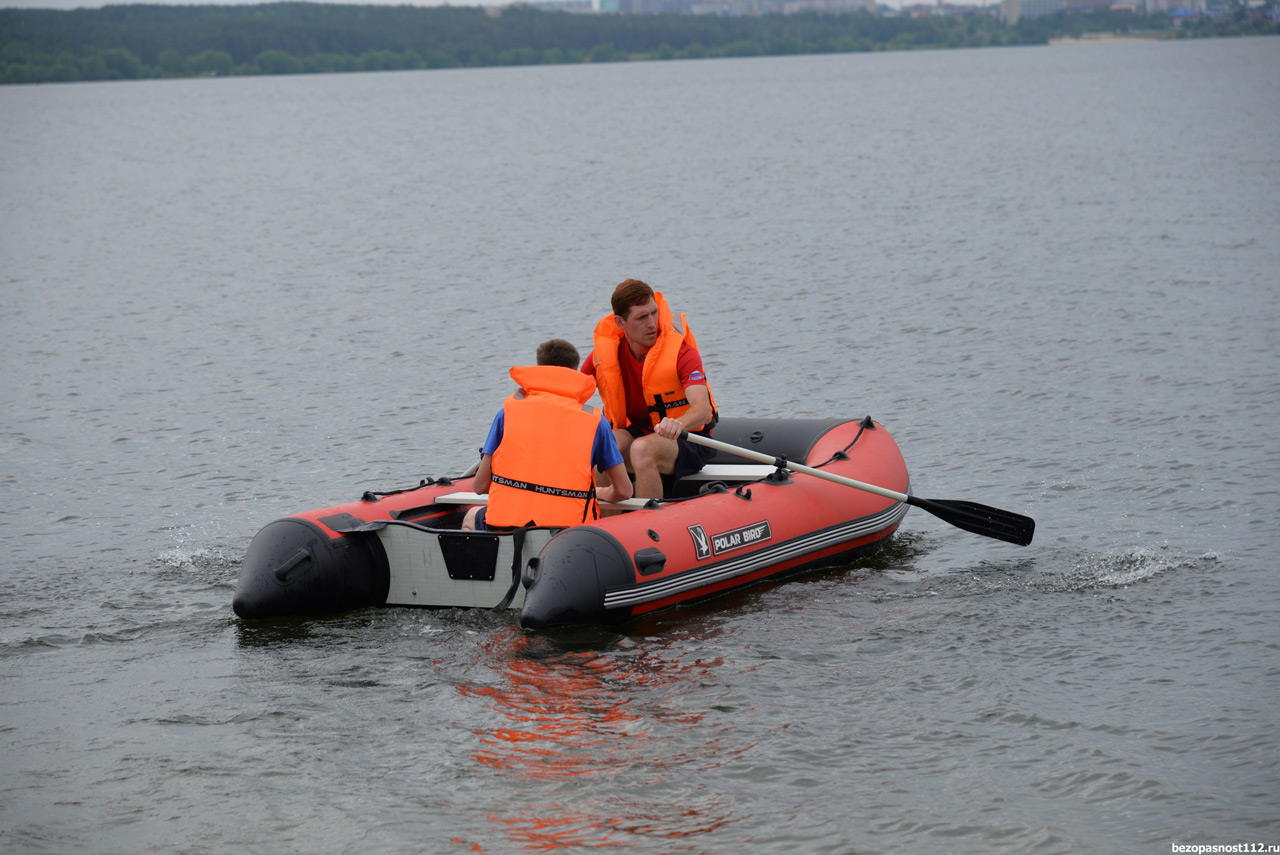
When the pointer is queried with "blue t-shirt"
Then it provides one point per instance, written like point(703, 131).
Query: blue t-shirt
point(604, 450)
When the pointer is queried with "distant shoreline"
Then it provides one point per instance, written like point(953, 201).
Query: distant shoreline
point(140, 42)
point(1103, 38)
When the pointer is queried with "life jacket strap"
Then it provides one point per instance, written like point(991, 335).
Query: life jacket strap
point(517, 548)
point(660, 406)
point(560, 492)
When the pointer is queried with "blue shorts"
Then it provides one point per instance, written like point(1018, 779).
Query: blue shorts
point(481, 525)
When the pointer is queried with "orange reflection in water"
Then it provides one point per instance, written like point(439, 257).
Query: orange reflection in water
point(561, 716)
point(588, 729)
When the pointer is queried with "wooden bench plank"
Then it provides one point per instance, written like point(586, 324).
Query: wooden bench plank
point(462, 498)
point(731, 472)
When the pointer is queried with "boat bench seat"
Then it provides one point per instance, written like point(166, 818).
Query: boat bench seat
point(731, 472)
point(710, 472)
point(464, 498)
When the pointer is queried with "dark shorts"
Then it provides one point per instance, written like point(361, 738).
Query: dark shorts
point(481, 525)
point(689, 459)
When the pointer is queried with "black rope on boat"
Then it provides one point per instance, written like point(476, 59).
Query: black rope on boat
point(866, 424)
point(373, 495)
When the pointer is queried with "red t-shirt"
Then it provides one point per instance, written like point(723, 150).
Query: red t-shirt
point(688, 368)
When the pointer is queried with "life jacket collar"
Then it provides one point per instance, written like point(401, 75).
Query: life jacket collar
point(554, 379)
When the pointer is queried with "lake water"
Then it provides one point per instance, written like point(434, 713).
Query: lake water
point(1052, 273)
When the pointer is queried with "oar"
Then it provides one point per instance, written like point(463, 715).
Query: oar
point(970, 516)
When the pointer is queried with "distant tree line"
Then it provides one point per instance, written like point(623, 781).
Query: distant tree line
point(136, 41)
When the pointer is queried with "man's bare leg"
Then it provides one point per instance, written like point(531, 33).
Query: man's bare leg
point(651, 457)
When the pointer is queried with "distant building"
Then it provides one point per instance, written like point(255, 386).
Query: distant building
point(653, 7)
point(940, 7)
point(790, 7)
point(1196, 6)
point(1036, 8)
point(578, 6)
point(1013, 11)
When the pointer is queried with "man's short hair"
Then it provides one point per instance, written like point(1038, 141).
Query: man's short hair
point(557, 351)
point(630, 293)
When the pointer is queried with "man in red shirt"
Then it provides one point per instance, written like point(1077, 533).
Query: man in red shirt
point(653, 386)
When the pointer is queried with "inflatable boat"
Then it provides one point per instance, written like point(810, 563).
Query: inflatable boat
point(735, 523)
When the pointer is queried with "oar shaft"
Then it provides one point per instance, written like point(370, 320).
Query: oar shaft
point(797, 467)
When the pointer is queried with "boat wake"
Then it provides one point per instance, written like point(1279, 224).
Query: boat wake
point(1127, 567)
point(1067, 572)
point(197, 559)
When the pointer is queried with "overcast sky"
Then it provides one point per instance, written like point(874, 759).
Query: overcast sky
point(94, 4)
point(97, 4)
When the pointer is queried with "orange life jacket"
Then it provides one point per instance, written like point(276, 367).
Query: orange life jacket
point(542, 467)
point(660, 378)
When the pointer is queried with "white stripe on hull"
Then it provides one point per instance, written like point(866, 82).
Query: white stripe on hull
point(747, 564)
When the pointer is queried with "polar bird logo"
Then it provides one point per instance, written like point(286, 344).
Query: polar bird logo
point(701, 545)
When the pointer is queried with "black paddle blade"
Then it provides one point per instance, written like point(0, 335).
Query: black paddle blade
point(980, 519)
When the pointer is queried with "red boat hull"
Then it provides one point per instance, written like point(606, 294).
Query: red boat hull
point(629, 565)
